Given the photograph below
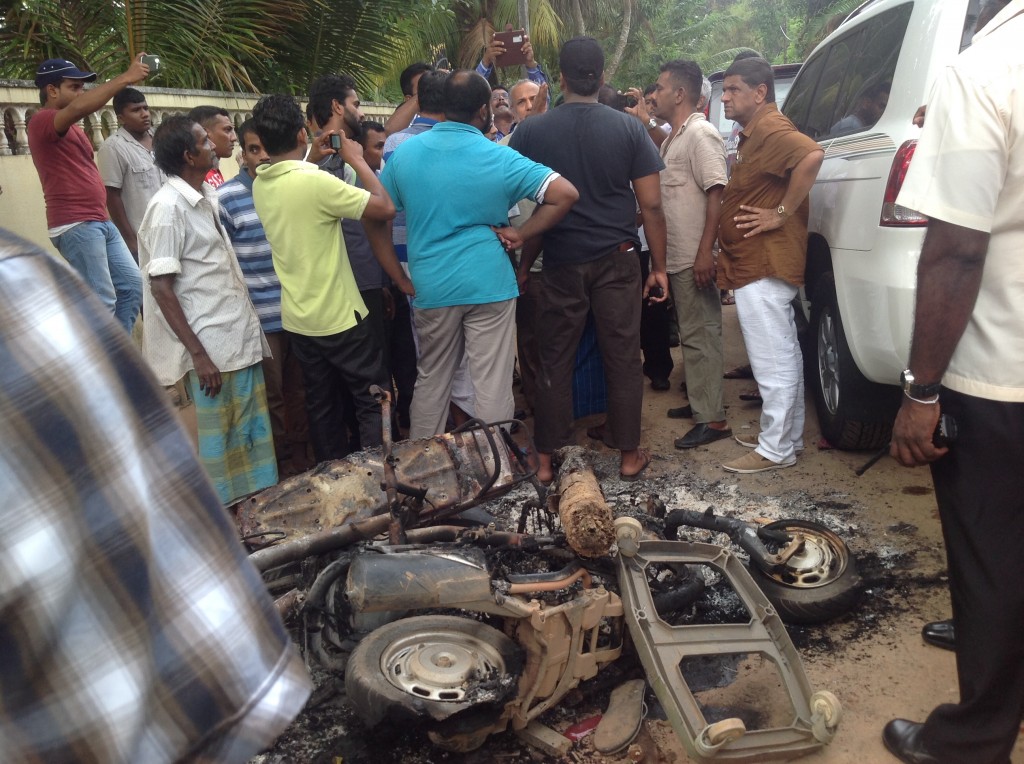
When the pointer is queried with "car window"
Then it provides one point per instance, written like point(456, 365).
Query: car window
point(849, 89)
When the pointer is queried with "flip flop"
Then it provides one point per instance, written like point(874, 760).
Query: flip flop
point(740, 372)
point(639, 473)
point(752, 395)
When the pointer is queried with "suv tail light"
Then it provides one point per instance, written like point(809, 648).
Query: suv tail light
point(892, 213)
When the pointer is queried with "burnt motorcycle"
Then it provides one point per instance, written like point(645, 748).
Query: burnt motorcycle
point(435, 615)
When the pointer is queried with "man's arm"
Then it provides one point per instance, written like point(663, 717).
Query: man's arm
point(948, 281)
point(648, 196)
point(657, 135)
point(801, 179)
point(167, 301)
point(704, 262)
point(93, 99)
point(378, 233)
point(115, 206)
point(403, 115)
point(380, 206)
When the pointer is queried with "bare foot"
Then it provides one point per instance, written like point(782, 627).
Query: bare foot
point(633, 463)
point(545, 472)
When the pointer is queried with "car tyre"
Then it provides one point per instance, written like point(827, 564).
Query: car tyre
point(853, 412)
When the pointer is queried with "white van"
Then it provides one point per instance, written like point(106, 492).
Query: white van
point(856, 95)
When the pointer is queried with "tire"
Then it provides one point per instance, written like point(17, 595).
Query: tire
point(853, 413)
point(819, 582)
point(396, 671)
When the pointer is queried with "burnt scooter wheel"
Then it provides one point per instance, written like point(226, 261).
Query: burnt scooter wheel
point(818, 583)
point(431, 668)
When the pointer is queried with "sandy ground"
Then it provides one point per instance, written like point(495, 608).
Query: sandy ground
point(872, 659)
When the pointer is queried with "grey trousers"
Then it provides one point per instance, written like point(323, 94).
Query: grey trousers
point(486, 334)
point(699, 314)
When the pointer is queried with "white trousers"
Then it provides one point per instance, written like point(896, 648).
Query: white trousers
point(766, 318)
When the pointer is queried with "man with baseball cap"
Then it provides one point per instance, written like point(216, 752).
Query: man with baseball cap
point(76, 200)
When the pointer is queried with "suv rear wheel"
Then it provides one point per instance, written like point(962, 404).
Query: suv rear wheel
point(853, 413)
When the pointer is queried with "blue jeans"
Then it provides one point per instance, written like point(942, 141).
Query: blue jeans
point(97, 251)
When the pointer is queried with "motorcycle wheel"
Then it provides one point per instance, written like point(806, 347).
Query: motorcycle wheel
point(430, 668)
point(818, 583)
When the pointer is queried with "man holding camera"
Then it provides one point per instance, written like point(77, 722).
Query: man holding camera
point(76, 200)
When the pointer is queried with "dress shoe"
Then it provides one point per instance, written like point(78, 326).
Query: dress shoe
point(940, 634)
point(701, 435)
point(903, 739)
point(660, 383)
point(683, 412)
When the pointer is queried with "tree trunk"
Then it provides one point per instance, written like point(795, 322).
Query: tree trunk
point(581, 26)
point(620, 46)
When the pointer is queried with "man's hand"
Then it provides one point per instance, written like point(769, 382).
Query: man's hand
point(531, 62)
point(320, 147)
point(137, 72)
point(523, 280)
point(494, 49)
point(351, 151)
point(656, 279)
point(209, 375)
point(912, 434)
point(704, 270)
point(405, 286)
point(919, 115)
point(508, 236)
point(759, 219)
point(640, 110)
point(540, 101)
point(389, 303)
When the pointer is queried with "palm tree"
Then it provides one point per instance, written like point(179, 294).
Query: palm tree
point(246, 45)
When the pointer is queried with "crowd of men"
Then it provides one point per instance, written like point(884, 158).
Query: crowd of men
point(480, 224)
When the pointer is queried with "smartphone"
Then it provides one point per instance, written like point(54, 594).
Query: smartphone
point(336, 142)
point(153, 62)
point(513, 54)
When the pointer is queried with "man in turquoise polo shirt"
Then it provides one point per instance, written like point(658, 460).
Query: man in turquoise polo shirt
point(465, 285)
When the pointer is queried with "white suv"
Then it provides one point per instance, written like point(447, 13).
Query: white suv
point(856, 95)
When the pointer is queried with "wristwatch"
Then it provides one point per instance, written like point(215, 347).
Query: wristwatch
point(781, 210)
point(916, 391)
point(652, 123)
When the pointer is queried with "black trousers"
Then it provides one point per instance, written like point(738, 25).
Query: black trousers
point(349, 361)
point(403, 355)
point(979, 487)
point(654, 329)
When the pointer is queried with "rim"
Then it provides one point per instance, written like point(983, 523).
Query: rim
point(828, 361)
point(439, 665)
point(821, 559)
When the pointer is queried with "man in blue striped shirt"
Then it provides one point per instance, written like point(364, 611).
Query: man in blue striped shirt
point(285, 393)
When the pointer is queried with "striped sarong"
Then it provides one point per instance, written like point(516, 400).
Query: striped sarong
point(236, 445)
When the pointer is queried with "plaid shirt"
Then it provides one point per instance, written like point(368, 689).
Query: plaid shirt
point(132, 627)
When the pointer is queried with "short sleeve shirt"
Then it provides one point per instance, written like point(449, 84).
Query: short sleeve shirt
point(126, 164)
point(770, 147)
point(600, 151)
point(694, 162)
point(300, 207)
point(72, 187)
point(968, 170)
point(454, 185)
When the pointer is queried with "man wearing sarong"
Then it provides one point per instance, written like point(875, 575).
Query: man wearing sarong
point(200, 320)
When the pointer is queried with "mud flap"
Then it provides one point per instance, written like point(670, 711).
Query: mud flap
point(663, 647)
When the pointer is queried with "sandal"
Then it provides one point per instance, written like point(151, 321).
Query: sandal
point(646, 456)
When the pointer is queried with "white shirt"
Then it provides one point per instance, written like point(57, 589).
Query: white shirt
point(181, 235)
point(126, 164)
point(968, 170)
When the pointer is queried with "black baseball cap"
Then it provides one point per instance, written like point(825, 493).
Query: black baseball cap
point(581, 58)
point(53, 70)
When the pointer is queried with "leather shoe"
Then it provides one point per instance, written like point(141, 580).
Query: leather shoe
point(660, 383)
point(903, 739)
point(683, 412)
point(701, 435)
point(940, 634)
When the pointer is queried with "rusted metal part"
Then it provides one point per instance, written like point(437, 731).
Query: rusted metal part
point(580, 574)
point(289, 602)
point(452, 472)
point(410, 580)
point(396, 532)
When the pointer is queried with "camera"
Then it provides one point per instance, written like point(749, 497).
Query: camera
point(153, 62)
point(336, 142)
